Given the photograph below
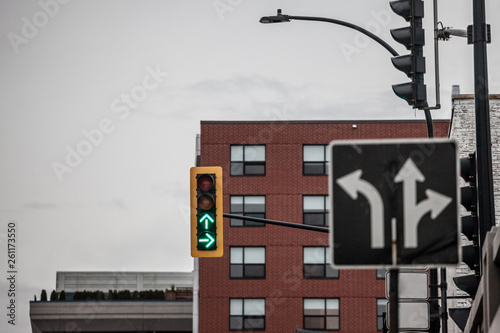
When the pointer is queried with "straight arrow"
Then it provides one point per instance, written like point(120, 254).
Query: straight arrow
point(435, 203)
point(206, 219)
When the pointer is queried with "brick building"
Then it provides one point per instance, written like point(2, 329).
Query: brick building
point(273, 278)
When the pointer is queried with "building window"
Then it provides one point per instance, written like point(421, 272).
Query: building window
point(381, 273)
point(316, 209)
point(248, 205)
point(316, 160)
point(317, 264)
point(247, 314)
point(321, 314)
point(381, 313)
point(247, 262)
point(248, 160)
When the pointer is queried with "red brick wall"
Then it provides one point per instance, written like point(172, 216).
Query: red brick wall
point(284, 185)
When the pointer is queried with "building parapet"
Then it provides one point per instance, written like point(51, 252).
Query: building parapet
point(102, 316)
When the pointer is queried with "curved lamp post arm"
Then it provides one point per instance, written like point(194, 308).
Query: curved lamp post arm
point(349, 25)
point(286, 18)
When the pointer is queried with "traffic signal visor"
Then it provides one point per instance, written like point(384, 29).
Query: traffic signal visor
point(206, 212)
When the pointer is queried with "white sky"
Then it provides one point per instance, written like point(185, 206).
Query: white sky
point(68, 69)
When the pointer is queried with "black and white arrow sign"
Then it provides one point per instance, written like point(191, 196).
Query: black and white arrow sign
point(405, 191)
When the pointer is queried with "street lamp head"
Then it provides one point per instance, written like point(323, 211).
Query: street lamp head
point(275, 19)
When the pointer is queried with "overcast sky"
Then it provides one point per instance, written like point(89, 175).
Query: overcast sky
point(101, 102)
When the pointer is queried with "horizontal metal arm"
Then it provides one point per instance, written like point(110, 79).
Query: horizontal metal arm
point(281, 223)
point(446, 33)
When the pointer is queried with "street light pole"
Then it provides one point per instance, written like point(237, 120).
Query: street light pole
point(486, 206)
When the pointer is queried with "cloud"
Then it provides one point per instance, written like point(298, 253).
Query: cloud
point(114, 203)
point(40, 205)
point(238, 98)
point(260, 98)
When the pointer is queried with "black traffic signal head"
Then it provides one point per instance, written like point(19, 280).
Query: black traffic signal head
point(470, 256)
point(468, 168)
point(409, 36)
point(460, 316)
point(406, 64)
point(413, 64)
point(468, 198)
point(468, 194)
point(404, 8)
point(206, 212)
point(470, 253)
point(467, 283)
point(413, 93)
point(469, 227)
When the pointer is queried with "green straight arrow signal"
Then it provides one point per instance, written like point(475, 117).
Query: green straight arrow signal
point(206, 219)
point(210, 240)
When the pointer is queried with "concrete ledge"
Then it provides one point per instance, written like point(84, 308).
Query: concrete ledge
point(114, 316)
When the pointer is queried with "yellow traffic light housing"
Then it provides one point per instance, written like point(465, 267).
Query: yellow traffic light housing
point(206, 212)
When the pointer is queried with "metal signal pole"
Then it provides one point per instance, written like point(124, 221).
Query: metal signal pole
point(486, 206)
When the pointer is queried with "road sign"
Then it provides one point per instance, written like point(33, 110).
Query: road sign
point(413, 315)
point(412, 285)
point(394, 203)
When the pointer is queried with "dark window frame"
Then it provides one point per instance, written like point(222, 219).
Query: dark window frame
point(326, 266)
point(247, 163)
point(304, 316)
point(245, 267)
point(243, 316)
point(244, 222)
point(324, 213)
point(324, 163)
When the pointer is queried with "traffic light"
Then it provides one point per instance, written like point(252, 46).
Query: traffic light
point(470, 228)
point(413, 64)
point(206, 212)
point(470, 223)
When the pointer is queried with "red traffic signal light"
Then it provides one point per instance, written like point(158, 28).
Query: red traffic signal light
point(205, 182)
